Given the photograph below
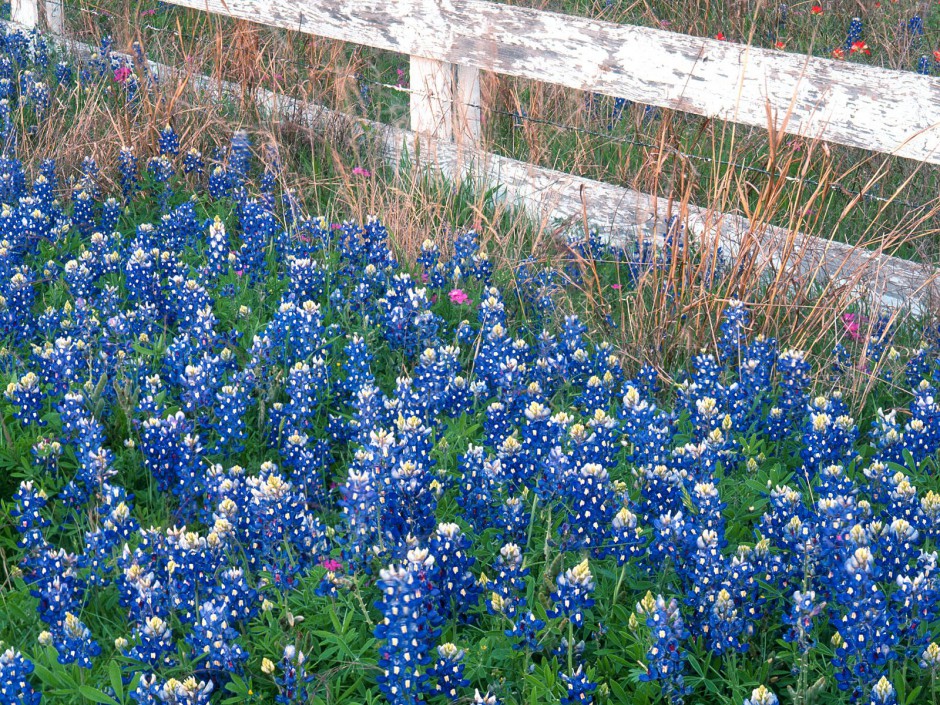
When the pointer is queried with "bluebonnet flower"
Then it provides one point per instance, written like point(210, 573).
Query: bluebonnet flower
point(525, 632)
point(155, 643)
point(572, 594)
point(259, 230)
point(357, 366)
point(592, 508)
point(883, 693)
point(508, 587)
point(64, 74)
point(217, 249)
point(189, 691)
point(193, 162)
point(293, 680)
point(15, 686)
point(665, 658)
point(219, 185)
point(214, 640)
point(578, 688)
point(733, 324)
point(239, 159)
point(456, 583)
point(110, 214)
point(127, 164)
point(163, 447)
point(802, 617)
point(854, 34)
point(161, 170)
point(930, 658)
point(72, 640)
point(83, 213)
point(447, 672)
point(27, 395)
point(230, 411)
point(169, 142)
point(408, 630)
point(90, 176)
point(761, 695)
point(27, 513)
point(626, 536)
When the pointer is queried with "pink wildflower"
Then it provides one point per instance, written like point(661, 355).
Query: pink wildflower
point(615, 286)
point(852, 323)
point(359, 171)
point(122, 74)
point(331, 564)
point(459, 297)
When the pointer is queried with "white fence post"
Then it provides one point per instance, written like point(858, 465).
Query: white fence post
point(25, 12)
point(445, 101)
point(467, 106)
point(432, 98)
point(55, 17)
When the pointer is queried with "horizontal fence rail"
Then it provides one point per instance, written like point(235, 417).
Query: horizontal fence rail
point(877, 109)
point(445, 115)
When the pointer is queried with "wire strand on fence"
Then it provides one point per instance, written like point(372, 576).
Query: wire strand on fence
point(617, 139)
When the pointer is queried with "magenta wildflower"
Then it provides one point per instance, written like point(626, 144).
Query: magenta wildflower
point(852, 323)
point(459, 297)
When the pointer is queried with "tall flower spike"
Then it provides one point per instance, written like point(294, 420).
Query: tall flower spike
point(572, 594)
point(761, 695)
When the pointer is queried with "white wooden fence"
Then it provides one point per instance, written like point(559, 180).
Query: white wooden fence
point(450, 41)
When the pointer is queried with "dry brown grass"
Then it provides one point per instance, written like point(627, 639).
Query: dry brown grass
point(669, 312)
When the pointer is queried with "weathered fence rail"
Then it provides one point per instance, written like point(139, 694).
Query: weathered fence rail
point(859, 106)
point(450, 41)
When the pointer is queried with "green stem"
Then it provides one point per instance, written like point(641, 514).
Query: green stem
point(528, 538)
point(570, 647)
point(362, 605)
point(613, 602)
point(546, 549)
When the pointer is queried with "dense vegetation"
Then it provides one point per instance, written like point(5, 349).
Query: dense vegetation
point(249, 455)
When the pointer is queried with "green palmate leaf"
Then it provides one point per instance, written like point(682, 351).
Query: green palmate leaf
point(96, 696)
point(57, 678)
point(117, 683)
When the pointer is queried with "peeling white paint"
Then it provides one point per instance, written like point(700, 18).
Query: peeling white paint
point(860, 106)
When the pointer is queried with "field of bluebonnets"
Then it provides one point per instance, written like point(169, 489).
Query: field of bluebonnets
point(250, 456)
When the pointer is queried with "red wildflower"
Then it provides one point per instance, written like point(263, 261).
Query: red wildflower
point(860, 46)
point(720, 36)
point(780, 45)
point(936, 56)
point(838, 53)
point(816, 9)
